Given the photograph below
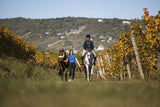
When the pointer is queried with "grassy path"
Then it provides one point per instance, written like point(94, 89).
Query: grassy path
point(54, 92)
point(48, 90)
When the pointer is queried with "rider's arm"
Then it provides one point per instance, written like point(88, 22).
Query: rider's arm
point(92, 46)
point(84, 45)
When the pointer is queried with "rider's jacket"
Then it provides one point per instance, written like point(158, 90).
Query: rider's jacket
point(88, 45)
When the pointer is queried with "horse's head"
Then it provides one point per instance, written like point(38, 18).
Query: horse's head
point(89, 58)
point(61, 55)
point(88, 54)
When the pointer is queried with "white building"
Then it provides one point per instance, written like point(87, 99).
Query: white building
point(62, 37)
point(47, 33)
point(110, 38)
point(126, 22)
point(101, 37)
point(59, 34)
point(100, 20)
point(102, 40)
point(100, 48)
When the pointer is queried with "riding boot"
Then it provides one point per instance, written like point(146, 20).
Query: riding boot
point(94, 60)
point(82, 60)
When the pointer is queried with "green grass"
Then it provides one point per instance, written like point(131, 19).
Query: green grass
point(45, 89)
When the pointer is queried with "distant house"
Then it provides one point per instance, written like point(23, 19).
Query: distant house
point(102, 40)
point(126, 22)
point(59, 34)
point(100, 20)
point(47, 33)
point(62, 37)
point(100, 48)
point(101, 37)
point(110, 38)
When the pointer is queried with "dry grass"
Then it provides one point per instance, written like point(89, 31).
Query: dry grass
point(52, 92)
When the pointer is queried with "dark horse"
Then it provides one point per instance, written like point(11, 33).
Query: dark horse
point(63, 66)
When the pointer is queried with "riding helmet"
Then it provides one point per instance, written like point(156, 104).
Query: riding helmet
point(88, 36)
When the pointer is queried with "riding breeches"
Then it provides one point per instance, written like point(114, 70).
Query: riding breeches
point(84, 51)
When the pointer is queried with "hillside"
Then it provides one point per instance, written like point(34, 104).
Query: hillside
point(69, 32)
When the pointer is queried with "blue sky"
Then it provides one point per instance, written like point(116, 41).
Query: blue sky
point(125, 9)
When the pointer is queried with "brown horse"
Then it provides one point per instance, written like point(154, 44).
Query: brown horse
point(63, 66)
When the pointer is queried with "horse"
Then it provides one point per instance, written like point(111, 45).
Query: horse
point(63, 66)
point(88, 64)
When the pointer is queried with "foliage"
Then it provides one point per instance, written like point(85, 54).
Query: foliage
point(148, 44)
point(45, 59)
point(14, 46)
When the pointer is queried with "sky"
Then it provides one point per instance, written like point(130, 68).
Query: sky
point(124, 9)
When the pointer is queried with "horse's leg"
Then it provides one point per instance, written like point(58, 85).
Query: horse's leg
point(60, 67)
point(66, 74)
point(60, 71)
point(90, 68)
point(91, 71)
point(62, 74)
point(87, 70)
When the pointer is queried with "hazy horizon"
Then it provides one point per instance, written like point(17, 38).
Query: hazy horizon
point(66, 17)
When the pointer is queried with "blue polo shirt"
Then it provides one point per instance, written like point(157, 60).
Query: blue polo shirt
point(71, 58)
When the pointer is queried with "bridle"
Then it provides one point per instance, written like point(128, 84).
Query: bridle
point(88, 54)
point(61, 57)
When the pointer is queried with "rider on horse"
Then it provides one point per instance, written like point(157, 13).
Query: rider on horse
point(88, 45)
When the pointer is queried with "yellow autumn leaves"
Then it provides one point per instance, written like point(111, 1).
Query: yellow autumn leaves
point(148, 44)
point(14, 46)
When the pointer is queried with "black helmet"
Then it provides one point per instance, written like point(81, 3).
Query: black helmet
point(88, 36)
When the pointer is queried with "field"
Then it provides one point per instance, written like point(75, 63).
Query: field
point(48, 90)
point(53, 93)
